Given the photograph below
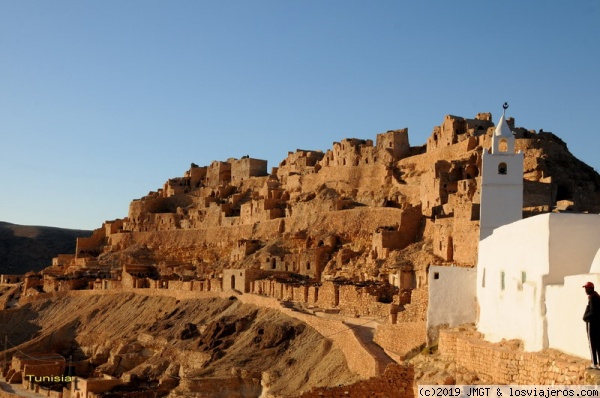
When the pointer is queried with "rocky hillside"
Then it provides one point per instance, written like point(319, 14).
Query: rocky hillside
point(358, 211)
point(348, 232)
point(187, 347)
point(26, 248)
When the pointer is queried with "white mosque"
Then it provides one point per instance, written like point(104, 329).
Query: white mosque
point(530, 272)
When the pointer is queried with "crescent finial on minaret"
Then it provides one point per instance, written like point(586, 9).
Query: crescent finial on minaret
point(505, 107)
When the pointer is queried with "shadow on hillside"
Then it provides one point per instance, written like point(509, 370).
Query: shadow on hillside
point(18, 326)
point(26, 248)
point(366, 335)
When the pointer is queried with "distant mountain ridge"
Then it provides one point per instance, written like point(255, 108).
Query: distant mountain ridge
point(26, 248)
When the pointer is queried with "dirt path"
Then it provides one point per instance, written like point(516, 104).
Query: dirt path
point(363, 356)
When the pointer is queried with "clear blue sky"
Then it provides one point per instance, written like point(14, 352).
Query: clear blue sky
point(103, 101)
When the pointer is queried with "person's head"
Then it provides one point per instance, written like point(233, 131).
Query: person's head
point(589, 288)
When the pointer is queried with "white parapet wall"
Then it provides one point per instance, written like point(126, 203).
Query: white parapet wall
point(565, 306)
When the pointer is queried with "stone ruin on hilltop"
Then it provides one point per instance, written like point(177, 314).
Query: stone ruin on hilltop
point(353, 228)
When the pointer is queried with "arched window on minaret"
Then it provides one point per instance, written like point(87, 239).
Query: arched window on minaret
point(503, 145)
point(502, 168)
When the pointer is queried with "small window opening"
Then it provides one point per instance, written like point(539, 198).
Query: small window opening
point(436, 275)
point(502, 168)
point(563, 193)
point(502, 281)
point(503, 145)
point(483, 279)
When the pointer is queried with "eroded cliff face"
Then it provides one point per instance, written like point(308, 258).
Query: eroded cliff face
point(353, 212)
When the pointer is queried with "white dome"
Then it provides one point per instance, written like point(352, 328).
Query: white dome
point(595, 268)
point(502, 128)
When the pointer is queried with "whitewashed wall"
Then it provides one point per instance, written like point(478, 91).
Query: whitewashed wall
point(565, 306)
point(542, 250)
point(574, 242)
point(452, 298)
point(515, 311)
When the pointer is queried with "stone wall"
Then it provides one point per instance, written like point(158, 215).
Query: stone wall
point(507, 363)
point(351, 300)
point(396, 382)
point(359, 301)
point(12, 292)
point(242, 383)
point(52, 284)
point(300, 162)
point(34, 364)
point(329, 295)
point(245, 168)
point(62, 260)
point(217, 173)
point(92, 244)
point(11, 278)
point(241, 279)
point(455, 129)
point(93, 386)
point(401, 340)
point(417, 309)
point(395, 142)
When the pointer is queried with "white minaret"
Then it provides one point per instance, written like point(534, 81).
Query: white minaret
point(501, 181)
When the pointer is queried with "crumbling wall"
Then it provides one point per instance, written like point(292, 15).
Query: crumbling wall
point(241, 279)
point(245, 168)
point(218, 173)
point(455, 129)
point(507, 363)
point(397, 381)
point(11, 278)
point(417, 309)
point(196, 175)
point(299, 162)
point(394, 143)
point(401, 339)
point(63, 260)
point(91, 245)
point(243, 248)
point(360, 301)
point(329, 295)
point(52, 284)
